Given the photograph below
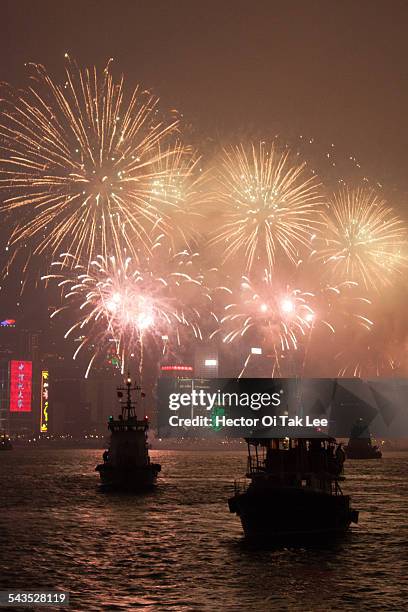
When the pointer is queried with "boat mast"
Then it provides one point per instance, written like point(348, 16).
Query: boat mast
point(128, 407)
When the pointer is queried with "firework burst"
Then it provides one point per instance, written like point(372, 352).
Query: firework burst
point(180, 186)
point(340, 315)
point(270, 206)
point(364, 240)
point(371, 356)
point(382, 350)
point(126, 303)
point(277, 316)
point(341, 307)
point(290, 324)
point(80, 161)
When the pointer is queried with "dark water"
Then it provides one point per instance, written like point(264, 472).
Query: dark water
point(178, 548)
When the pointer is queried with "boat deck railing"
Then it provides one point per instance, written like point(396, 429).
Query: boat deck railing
point(128, 424)
point(286, 461)
point(320, 482)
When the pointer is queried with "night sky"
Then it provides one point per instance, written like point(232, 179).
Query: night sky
point(334, 71)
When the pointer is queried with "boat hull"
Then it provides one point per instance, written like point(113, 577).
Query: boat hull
point(292, 513)
point(135, 478)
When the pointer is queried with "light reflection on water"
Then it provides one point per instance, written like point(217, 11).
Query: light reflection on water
point(178, 548)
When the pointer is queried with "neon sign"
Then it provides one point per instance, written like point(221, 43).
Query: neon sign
point(21, 374)
point(44, 401)
point(8, 323)
point(176, 368)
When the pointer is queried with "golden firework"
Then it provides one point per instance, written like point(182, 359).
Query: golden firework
point(78, 162)
point(269, 205)
point(364, 240)
point(179, 185)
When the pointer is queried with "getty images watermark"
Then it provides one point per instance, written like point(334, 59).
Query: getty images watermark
point(279, 407)
point(214, 401)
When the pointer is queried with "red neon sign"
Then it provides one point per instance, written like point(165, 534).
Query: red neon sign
point(21, 374)
point(176, 368)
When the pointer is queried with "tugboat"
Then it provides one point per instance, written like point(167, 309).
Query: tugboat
point(294, 493)
point(126, 464)
point(5, 442)
point(360, 444)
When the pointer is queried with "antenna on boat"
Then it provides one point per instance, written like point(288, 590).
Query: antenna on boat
point(128, 406)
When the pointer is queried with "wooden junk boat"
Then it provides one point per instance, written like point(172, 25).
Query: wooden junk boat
point(360, 444)
point(126, 464)
point(294, 490)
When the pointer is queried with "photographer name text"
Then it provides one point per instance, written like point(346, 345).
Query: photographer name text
point(282, 420)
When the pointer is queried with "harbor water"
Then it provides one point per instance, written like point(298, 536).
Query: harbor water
point(178, 548)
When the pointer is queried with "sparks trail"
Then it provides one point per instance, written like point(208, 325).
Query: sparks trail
point(80, 163)
point(129, 303)
point(180, 186)
point(270, 206)
point(364, 240)
point(283, 319)
point(277, 314)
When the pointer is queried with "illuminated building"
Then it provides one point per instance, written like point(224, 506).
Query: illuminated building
point(176, 371)
point(175, 384)
point(16, 396)
point(9, 338)
point(45, 404)
point(21, 381)
point(4, 396)
point(206, 362)
point(20, 377)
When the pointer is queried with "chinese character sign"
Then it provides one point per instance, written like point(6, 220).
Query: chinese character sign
point(44, 401)
point(20, 386)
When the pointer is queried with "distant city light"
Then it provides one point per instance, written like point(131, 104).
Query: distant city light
point(176, 368)
point(8, 323)
point(210, 362)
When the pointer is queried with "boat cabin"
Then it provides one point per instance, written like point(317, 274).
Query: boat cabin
point(309, 462)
